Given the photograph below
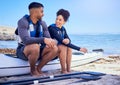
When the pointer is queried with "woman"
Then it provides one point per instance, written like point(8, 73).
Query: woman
point(58, 32)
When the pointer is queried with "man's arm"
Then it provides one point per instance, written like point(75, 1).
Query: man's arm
point(24, 35)
point(45, 29)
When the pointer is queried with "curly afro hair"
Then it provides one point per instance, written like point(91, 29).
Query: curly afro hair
point(64, 13)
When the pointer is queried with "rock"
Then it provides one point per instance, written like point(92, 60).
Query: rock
point(6, 37)
point(98, 50)
point(8, 51)
point(6, 33)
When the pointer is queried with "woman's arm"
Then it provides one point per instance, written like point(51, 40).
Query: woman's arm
point(54, 34)
point(73, 46)
point(66, 35)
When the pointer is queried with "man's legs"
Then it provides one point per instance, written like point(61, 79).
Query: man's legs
point(32, 53)
point(47, 55)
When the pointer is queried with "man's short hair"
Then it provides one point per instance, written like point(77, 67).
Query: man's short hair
point(35, 5)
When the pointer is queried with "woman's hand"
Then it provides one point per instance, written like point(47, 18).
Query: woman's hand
point(83, 50)
point(66, 41)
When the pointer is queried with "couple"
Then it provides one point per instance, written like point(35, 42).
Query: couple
point(36, 42)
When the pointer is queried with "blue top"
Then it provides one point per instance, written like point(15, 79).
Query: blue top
point(23, 26)
point(60, 34)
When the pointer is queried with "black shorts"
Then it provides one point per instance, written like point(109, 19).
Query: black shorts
point(21, 55)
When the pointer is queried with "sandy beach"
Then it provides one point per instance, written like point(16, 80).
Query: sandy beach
point(110, 65)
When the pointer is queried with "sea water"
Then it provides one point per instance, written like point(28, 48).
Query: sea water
point(110, 43)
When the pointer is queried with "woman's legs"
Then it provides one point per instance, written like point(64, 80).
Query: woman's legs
point(68, 58)
point(62, 56)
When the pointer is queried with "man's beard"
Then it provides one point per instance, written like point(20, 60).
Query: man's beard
point(39, 18)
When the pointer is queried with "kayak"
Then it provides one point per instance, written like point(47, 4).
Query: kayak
point(10, 66)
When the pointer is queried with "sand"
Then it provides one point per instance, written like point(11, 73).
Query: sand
point(109, 65)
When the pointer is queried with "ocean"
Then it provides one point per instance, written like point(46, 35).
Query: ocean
point(110, 43)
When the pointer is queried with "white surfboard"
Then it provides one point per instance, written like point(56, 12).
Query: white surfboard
point(14, 66)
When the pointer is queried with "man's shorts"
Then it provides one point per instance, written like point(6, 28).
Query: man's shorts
point(20, 53)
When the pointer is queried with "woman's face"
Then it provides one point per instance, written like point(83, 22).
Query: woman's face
point(59, 21)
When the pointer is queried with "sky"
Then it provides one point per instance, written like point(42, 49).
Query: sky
point(86, 16)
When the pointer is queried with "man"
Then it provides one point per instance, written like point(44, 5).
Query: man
point(35, 42)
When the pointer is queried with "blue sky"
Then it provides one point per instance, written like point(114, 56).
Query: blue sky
point(87, 16)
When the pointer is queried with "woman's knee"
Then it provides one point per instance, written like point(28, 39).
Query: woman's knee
point(62, 48)
point(69, 49)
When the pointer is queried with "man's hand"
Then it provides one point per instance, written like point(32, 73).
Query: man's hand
point(49, 42)
point(66, 41)
point(83, 50)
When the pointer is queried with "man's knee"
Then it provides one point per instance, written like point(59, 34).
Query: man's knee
point(55, 49)
point(33, 48)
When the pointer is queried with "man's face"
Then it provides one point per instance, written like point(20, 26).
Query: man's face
point(39, 13)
